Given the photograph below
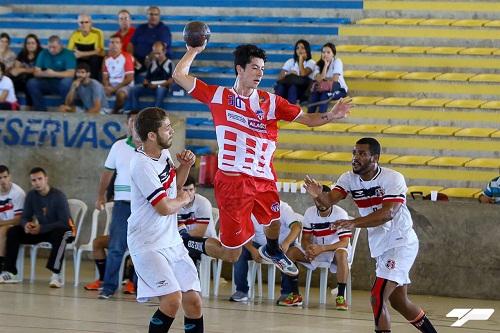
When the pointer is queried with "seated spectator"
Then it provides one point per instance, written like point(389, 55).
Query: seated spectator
point(11, 207)
point(491, 194)
point(329, 83)
point(54, 71)
point(85, 94)
point(88, 45)
point(158, 78)
point(146, 34)
point(24, 66)
point(322, 244)
point(46, 218)
point(7, 56)
point(8, 100)
point(118, 73)
point(126, 30)
point(296, 74)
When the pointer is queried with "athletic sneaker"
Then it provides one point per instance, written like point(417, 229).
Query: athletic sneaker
point(8, 277)
point(239, 296)
point(341, 303)
point(280, 260)
point(56, 281)
point(129, 288)
point(96, 285)
point(291, 300)
point(105, 294)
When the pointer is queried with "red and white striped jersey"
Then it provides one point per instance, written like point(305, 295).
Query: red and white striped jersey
point(319, 226)
point(246, 127)
point(386, 185)
point(151, 181)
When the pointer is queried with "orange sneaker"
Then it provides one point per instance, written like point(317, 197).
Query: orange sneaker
point(341, 303)
point(96, 285)
point(291, 300)
point(129, 288)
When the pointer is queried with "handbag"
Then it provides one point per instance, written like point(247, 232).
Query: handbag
point(322, 86)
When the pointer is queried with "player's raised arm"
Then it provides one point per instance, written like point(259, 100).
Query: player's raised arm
point(315, 190)
point(339, 111)
point(181, 72)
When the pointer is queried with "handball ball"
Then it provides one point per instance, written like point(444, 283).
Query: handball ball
point(195, 33)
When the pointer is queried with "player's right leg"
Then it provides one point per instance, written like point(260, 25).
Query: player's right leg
point(164, 316)
point(342, 267)
point(380, 293)
point(99, 244)
point(193, 317)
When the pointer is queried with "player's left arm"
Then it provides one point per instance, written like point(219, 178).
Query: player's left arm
point(339, 111)
point(181, 72)
point(186, 160)
point(380, 216)
point(295, 230)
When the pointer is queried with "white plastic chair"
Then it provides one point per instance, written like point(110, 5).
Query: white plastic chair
point(256, 272)
point(206, 263)
point(324, 269)
point(77, 255)
point(78, 209)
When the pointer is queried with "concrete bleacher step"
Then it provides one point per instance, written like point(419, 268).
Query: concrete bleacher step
point(428, 22)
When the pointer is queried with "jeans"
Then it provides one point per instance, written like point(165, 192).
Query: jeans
point(241, 269)
point(36, 88)
point(289, 284)
point(117, 245)
point(139, 90)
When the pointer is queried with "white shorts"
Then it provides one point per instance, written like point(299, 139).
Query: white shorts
point(395, 264)
point(325, 257)
point(162, 272)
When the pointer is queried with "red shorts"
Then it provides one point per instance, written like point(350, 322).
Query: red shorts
point(239, 198)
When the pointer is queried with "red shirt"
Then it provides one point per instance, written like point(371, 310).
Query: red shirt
point(126, 38)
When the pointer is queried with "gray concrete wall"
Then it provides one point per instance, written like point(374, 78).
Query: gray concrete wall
point(459, 252)
point(71, 147)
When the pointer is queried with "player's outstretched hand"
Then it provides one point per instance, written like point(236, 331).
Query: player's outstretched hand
point(183, 197)
point(197, 49)
point(312, 186)
point(343, 224)
point(187, 158)
point(342, 108)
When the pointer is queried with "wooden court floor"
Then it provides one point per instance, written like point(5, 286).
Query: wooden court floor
point(26, 308)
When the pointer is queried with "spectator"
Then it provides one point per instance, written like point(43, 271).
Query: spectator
point(54, 71)
point(118, 73)
point(7, 56)
point(88, 44)
point(46, 218)
point(329, 80)
point(11, 207)
point(158, 78)
point(85, 94)
point(24, 66)
point(148, 33)
point(491, 194)
point(126, 30)
point(8, 100)
point(296, 74)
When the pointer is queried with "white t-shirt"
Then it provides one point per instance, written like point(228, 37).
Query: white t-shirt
point(291, 66)
point(319, 226)
point(118, 67)
point(6, 84)
point(12, 203)
point(336, 68)
point(199, 212)
point(152, 180)
point(287, 218)
point(386, 185)
point(119, 157)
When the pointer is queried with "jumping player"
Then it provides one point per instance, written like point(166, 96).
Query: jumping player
point(163, 266)
point(246, 122)
point(380, 195)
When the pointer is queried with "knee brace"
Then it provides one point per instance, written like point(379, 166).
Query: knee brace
point(377, 298)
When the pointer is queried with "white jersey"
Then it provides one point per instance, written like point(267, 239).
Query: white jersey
point(7, 85)
point(386, 185)
point(287, 218)
point(12, 203)
point(199, 212)
point(119, 157)
point(152, 180)
point(291, 66)
point(319, 226)
point(336, 68)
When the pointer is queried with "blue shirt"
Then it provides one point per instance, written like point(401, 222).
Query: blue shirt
point(492, 190)
point(60, 62)
point(144, 38)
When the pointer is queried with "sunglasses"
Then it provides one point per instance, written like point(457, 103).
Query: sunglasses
point(84, 22)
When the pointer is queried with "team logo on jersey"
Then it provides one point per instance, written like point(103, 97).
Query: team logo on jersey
point(379, 192)
point(250, 123)
point(260, 114)
point(390, 264)
point(256, 125)
point(275, 207)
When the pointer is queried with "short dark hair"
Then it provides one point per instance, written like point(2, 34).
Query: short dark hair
point(116, 36)
point(3, 168)
point(149, 120)
point(190, 181)
point(307, 46)
point(84, 66)
point(133, 112)
point(326, 189)
point(124, 11)
point(5, 35)
point(372, 143)
point(37, 170)
point(55, 38)
point(243, 55)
